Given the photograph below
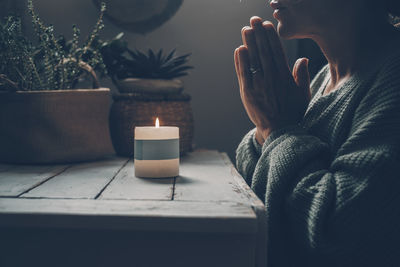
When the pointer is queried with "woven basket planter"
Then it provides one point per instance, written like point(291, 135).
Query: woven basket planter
point(131, 110)
point(57, 126)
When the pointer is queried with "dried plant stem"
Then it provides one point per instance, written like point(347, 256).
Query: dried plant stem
point(99, 25)
point(52, 63)
point(86, 67)
point(35, 71)
point(5, 79)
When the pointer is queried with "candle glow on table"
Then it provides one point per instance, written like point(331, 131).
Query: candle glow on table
point(156, 151)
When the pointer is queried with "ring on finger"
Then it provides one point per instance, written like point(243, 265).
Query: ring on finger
point(254, 70)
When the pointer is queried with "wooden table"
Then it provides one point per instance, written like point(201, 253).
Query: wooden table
point(100, 214)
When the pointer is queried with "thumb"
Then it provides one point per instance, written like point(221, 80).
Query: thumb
point(302, 76)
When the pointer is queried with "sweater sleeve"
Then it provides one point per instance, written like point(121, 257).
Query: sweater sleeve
point(247, 156)
point(341, 207)
point(249, 151)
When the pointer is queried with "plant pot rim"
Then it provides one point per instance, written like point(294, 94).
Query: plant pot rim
point(148, 79)
point(182, 97)
point(150, 86)
point(35, 92)
point(61, 91)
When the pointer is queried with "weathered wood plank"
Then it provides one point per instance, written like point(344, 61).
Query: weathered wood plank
point(204, 176)
point(127, 186)
point(17, 179)
point(259, 210)
point(84, 180)
point(240, 183)
point(135, 215)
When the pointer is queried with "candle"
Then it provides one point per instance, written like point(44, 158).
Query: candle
point(156, 151)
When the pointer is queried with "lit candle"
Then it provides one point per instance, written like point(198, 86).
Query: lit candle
point(156, 151)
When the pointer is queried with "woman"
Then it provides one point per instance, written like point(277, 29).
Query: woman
point(327, 169)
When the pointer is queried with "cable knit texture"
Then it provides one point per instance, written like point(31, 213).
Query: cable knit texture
point(331, 185)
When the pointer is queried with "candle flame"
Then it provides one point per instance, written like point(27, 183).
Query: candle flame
point(157, 123)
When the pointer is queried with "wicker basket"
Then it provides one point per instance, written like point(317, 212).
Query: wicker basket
point(54, 126)
point(131, 110)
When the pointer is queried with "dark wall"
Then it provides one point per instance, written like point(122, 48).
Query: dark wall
point(210, 30)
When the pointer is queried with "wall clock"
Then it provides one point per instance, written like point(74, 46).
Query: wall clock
point(140, 16)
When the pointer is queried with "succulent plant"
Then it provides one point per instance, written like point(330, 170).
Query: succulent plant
point(122, 62)
point(50, 64)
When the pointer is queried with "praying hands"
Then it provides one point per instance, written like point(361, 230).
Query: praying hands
point(272, 96)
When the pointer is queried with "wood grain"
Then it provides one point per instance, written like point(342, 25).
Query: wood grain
point(127, 186)
point(17, 179)
point(83, 180)
point(208, 217)
point(204, 176)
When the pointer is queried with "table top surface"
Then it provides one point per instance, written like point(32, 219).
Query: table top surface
point(208, 196)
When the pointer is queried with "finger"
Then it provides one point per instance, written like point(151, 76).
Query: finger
point(254, 20)
point(244, 66)
point(237, 67)
point(272, 92)
point(245, 28)
point(278, 52)
point(263, 49)
point(249, 40)
point(295, 69)
point(236, 59)
point(302, 76)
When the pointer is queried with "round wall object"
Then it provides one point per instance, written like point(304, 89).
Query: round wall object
point(140, 16)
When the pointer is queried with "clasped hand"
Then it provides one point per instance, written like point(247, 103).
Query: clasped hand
point(272, 96)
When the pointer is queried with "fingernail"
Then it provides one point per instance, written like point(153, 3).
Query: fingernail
point(242, 48)
point(255, 20)
point(245, 28)
point(267, 24)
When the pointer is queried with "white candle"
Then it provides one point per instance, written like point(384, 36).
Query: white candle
point(156, 151)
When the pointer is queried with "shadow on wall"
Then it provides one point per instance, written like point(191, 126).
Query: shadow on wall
point(208, 29)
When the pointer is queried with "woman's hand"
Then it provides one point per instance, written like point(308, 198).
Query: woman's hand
point(272, 96)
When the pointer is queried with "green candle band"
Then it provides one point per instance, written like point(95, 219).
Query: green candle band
point(156, 149)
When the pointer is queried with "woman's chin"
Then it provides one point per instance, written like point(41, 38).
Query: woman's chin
point(284, 31)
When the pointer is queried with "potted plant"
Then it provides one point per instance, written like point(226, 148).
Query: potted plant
point(43, 117)
point(148, 87)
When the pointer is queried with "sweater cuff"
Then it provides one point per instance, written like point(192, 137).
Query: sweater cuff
point(274, 135)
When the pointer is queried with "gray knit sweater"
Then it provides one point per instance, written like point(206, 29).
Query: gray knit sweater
point(331, 185)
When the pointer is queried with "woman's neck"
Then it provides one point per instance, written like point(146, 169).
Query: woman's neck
point(349, 47)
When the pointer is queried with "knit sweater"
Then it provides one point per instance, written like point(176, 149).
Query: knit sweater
point(331, 185)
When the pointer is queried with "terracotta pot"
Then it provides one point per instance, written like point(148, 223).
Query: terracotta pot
point(57, 126)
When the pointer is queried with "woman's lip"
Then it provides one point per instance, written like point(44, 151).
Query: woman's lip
point(276, 5)
point(278, 8)
point(279, 13)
